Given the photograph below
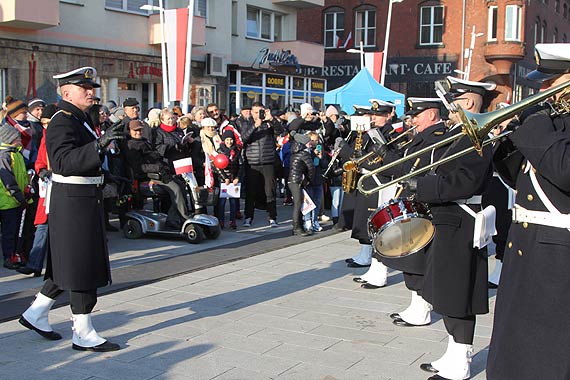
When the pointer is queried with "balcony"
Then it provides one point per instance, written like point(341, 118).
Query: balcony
point(198, 30)
point(24, 14)
point(307, 53)
point(503, 54)
point(300, 3)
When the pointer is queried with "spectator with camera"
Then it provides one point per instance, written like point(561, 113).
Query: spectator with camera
point(259, 152)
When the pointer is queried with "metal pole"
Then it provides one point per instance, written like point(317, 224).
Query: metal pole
point(187, 63)
point(361, 55)
point(165, 101)
point(386, 40)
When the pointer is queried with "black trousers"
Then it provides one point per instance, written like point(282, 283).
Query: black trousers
point(81, 301)
point(462, 329)
point(414, 281)
point(260, 184)
point(177, 212)
point(297, 194)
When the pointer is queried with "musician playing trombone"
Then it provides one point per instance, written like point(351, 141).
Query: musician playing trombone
point(531, 330)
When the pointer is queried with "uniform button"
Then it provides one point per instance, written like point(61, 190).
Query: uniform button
point(529, 197)
point(98, 201)
point(519, 252)
point(525, 225)
point(510, 244)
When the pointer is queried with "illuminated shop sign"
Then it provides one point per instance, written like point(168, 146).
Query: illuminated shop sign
point(275, 59)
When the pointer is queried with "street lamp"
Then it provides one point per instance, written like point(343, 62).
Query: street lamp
point(359, 51)
point(148, 7)
point(386, 40)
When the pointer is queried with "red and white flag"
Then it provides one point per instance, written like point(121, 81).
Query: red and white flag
point(176, 31)
point(348, 41)
point(208, 172)
point(373, 62)
point(184, 165)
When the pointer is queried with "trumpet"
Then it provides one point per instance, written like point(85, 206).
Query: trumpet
point(475, 126)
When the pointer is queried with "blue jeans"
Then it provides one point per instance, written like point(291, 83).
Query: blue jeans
point(234, 206)
point(39, 249)
point(316, 193)
point(337, 196)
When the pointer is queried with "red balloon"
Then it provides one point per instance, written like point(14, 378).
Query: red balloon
point(221, 161)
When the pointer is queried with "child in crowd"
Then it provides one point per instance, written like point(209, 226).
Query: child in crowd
point(301, 171)
point(315, 187)
point(13, 198)
point(229, 175)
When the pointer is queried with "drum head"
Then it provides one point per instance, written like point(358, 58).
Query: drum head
point(404, 237)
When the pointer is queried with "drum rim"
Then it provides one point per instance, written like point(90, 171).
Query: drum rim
point(409, 253)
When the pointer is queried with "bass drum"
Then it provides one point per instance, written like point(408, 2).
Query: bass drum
point(400, 228)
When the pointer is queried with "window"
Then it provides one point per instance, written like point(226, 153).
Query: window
point(543, 32)
point(264, 25)
point(564, 38)
point(555, 35)
point(513, 23)
point(557, 6)
point(234, 18)
point(334, 28)
point(365, 28)
point(431, 25)
point(536, 30)
point(130, 5)
point(493, 15)
point(201, 8)
point(565, 10)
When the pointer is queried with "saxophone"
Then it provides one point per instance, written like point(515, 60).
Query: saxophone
point(350, 168)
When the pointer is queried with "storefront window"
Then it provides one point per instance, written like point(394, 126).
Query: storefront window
point(249, 78)
point(274, 101)
point(298, 83)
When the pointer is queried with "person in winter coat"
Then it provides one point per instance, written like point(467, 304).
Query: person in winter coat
point(229, 175)
point(301, 170)
point(315, 188)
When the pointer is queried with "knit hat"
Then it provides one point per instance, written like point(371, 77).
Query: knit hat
point(228, 135)
point(16, 107)
point(36, 102)
point(49, 111)
point(8, 134)
point(306, 109)
point(331, 110)
point(208, 122)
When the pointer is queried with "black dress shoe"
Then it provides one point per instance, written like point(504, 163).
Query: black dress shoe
point(103, 347)
point(395, 316)
point(402, 323)
point(349, 260)
point(51, 335)
point(491, 285)
point(359, 280)
point(354, 264)
point(368, 285)
point(437, 377)
point(428, 368)
point(27, 271)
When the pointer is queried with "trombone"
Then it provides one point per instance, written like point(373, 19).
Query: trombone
point(475, 126)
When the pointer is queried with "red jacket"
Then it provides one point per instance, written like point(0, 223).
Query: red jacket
point(41, 163)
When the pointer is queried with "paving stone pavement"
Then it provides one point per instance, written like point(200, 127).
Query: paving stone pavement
point(288, 314)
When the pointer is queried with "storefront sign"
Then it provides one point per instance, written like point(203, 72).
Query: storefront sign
point(274, 81)
point(318, 85)
point(137, 71)
point(275, 59)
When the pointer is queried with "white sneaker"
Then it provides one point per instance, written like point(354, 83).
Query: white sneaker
point(273, 223)
point(247, 222)
point(308, 225)
point(317, 227)
point(325, 218)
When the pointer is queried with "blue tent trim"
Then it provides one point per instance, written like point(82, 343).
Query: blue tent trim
point(359, 90)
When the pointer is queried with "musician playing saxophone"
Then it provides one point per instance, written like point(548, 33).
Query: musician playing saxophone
point(362, 205)
point(530, 331)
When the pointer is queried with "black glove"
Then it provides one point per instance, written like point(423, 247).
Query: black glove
point(111, 134)
point(339, 142)
point(44, 173)
point(410, 184)
point(165, 174)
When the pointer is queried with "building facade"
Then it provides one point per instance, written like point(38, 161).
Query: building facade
point(482, 40)
point(233, 42)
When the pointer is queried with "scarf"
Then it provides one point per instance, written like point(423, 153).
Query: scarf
point(168, 128)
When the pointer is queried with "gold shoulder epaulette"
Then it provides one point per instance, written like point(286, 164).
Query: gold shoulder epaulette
point(67, 113)
point(438, 133)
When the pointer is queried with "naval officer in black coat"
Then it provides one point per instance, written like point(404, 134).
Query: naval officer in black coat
point(531, 330)
point(78, 258)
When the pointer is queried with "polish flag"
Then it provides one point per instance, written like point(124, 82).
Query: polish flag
point(347, 41)
point(183, 165)
point(208, 172)
point(373, 62)
point(176, 31)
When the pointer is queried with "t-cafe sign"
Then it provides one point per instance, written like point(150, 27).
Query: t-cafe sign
point(275, 59)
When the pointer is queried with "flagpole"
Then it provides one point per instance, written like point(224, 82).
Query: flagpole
point(386, 40)
point(187, 62)
point(165, 101)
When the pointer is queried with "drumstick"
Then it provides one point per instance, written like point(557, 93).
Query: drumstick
point(401, 187)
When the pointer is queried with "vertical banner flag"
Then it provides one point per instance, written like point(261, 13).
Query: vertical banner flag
point(373, 62)
point(176, 30)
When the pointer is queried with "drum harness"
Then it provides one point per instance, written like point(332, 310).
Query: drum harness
point(550, 218)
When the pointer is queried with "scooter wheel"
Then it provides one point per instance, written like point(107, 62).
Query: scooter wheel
point(132, 229)
point(213, 232)
point(194, 234)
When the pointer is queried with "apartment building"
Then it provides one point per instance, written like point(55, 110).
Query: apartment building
point(242, 51)
point(486, 40)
